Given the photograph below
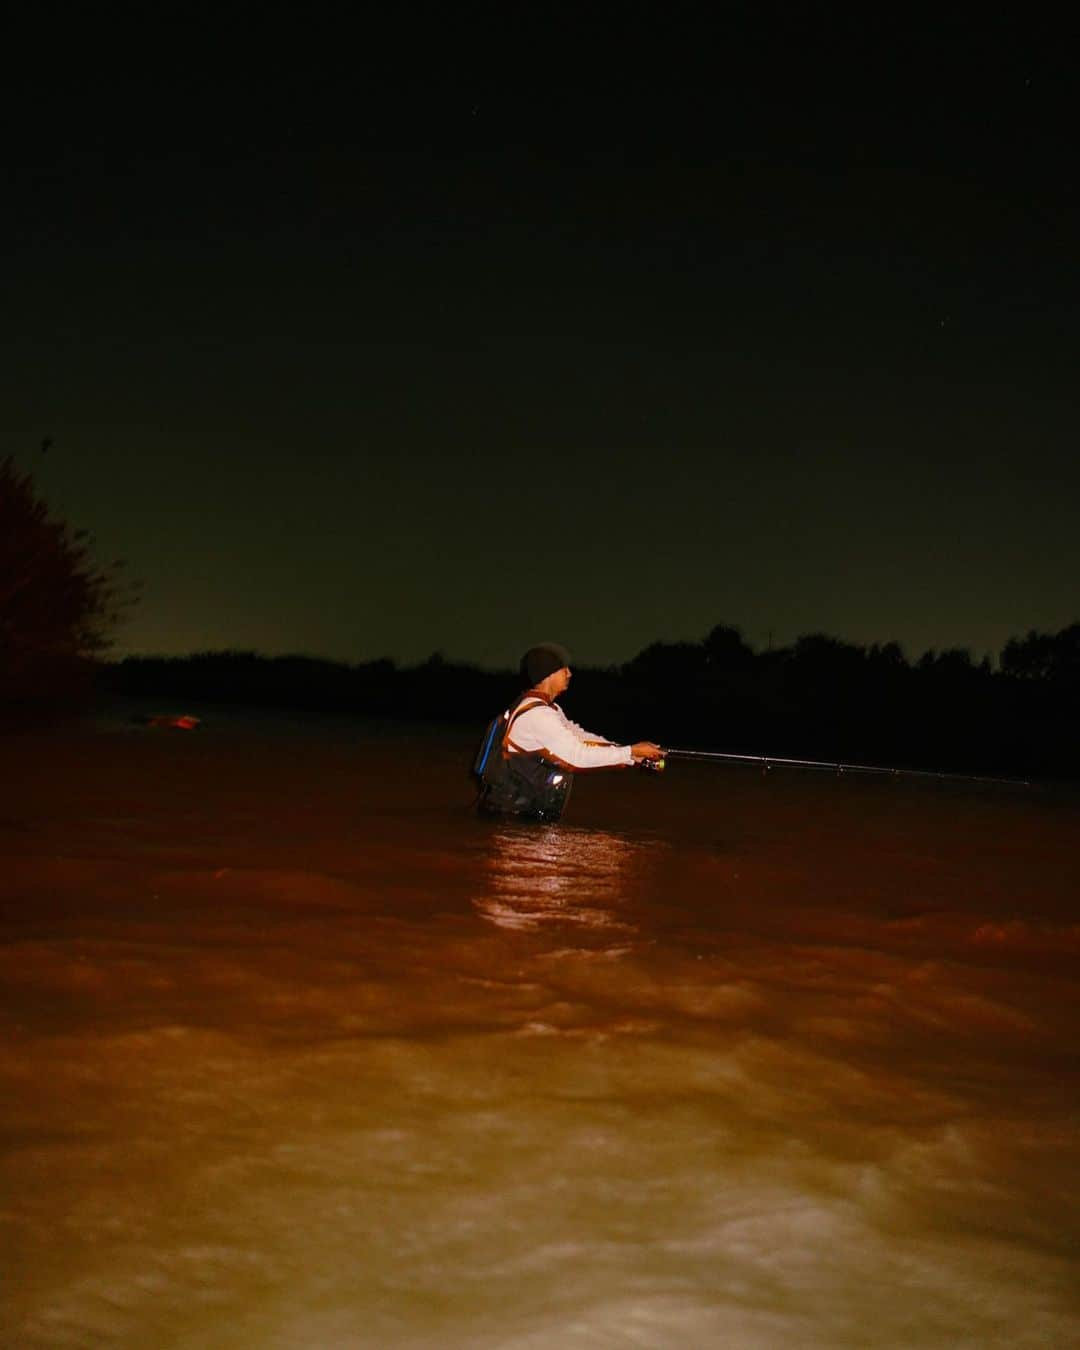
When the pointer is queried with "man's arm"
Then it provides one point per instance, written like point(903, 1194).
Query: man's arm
point(639, 751)
point(589, 737)
point(546, 731)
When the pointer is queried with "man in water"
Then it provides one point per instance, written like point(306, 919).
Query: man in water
point(533, 750)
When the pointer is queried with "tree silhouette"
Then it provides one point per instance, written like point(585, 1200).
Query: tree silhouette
point(57, 604)
point(726, 649)
point(1053, 657)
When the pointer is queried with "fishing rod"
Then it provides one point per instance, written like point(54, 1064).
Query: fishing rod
point(768, 761)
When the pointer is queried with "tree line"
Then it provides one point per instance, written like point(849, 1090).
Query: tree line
point(820, 697)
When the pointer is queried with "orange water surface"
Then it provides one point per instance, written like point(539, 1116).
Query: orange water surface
point(300, 1053)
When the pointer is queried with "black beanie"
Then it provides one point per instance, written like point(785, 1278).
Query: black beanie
point(543, 660)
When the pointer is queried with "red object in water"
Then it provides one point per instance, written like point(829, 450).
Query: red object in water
point(184, 722)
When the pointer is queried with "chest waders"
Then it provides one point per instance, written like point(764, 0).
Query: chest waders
point(524, 784)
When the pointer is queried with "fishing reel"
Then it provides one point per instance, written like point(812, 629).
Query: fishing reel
point(651, 765)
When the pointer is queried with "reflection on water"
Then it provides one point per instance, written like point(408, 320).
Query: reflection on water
point(538, 878)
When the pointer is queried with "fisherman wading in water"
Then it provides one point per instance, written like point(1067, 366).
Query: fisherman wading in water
point(531, 752)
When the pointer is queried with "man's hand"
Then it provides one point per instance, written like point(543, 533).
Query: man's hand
point(645, 750)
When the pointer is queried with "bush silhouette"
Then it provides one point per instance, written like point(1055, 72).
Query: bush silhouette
point(57, 604)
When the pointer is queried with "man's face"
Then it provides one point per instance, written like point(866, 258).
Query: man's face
point(560, 681)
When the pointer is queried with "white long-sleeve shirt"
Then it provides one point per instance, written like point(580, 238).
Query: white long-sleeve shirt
point(547, 729)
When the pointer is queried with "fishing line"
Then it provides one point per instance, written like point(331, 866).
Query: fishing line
point(768, 761)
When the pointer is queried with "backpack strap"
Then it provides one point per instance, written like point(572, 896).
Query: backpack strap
point(523, 707)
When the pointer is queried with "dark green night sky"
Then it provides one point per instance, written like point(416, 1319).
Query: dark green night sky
point(357, 372)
